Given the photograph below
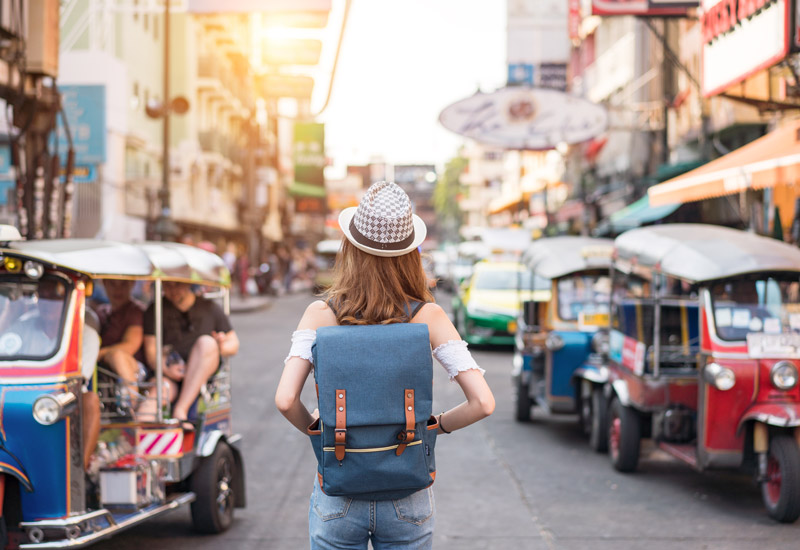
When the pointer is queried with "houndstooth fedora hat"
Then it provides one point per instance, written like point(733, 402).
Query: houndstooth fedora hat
point(382, 224)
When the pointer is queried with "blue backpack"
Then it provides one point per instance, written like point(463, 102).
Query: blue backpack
point(375, 435)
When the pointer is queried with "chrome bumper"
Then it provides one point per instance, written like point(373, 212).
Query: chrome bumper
point(72, 528)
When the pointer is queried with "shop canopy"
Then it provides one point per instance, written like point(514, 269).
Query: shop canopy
point(773, 159)
point(634, 215)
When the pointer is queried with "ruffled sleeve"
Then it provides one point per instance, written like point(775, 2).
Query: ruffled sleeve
point(302, 340)
point(455, 358)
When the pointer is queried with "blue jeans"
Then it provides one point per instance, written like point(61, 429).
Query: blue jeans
point(342, 523)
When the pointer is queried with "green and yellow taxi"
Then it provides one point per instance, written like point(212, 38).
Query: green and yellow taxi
point(486, 309)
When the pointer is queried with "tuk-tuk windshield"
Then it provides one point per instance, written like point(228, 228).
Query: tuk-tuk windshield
point(509, 280)
point(31, 316)
point(769, 305)
point(583, 294)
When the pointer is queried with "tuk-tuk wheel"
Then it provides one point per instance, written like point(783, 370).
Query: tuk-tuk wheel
point(780, 489)
point(624, 436)
point(212, 482)
point(598, 433)
point(523, 403)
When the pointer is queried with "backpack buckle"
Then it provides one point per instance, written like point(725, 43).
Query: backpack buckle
point(406, 435)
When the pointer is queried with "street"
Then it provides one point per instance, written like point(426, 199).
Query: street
point(500, 484)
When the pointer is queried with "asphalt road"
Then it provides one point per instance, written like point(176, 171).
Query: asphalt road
point(500, 484)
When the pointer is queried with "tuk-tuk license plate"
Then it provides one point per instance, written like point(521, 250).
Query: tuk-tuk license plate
point(592, 319)
point(773, 346)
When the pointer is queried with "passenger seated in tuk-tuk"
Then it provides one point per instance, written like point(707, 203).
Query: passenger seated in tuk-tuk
point(200, 333)
point(121, 333)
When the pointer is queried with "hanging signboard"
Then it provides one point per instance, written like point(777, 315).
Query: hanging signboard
point(647, 8)
point(85, 109)
point(520, 74)
point(251, 6)
point(525, 118)
point(309, 153)
point(741, 38)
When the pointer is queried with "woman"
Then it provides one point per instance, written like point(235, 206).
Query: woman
point(379, 276)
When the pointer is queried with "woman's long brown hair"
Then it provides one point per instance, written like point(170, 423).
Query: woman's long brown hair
point(372, 290)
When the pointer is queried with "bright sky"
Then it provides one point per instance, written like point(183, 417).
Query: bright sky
point(402, 62)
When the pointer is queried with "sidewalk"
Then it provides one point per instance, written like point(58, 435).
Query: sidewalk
point(248, 304)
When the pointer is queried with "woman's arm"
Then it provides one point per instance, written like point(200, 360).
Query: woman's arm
point(296, 370)
point(480, 400)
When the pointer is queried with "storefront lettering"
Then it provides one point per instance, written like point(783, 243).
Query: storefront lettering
point(724, 16)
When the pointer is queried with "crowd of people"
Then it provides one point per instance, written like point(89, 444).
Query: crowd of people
point(282, 268)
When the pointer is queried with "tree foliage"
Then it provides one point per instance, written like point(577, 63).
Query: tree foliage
point(447, 194)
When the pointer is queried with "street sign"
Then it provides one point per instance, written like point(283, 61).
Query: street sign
point(281, 85)
point(292, 51)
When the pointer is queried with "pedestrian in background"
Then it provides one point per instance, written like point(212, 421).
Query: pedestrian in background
point(377, 276)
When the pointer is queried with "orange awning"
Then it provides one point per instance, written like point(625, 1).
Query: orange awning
point(773, 159)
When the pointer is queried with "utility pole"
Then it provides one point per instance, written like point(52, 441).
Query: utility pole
point(165, 228)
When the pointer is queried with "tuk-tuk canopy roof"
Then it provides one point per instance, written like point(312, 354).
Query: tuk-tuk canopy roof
point(556, 257)
point(149, 260)
point(699, 252)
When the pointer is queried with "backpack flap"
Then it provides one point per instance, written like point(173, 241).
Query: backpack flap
point(374, 364)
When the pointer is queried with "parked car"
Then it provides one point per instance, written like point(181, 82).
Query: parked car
point(704, 354)
point(562, 345)
point(485, 310)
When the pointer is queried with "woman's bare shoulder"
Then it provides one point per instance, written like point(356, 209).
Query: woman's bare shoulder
point(440, 327)
point(317, 314)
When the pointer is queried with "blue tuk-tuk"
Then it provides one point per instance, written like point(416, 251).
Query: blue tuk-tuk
point(561, 345)
point(140, 469)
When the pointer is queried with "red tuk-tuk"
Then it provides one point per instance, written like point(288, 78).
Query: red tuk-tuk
point(704, 354)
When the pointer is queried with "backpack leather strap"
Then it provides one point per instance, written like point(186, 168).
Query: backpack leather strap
point(407, 436)
point(340, 434)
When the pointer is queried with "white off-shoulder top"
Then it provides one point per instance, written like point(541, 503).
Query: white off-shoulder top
point(453, 355)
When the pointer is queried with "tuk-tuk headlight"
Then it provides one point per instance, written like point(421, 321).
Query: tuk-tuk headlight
point(718, 376)
point(34, 270)
point(50, 408)
point(554, 342)
point(784, 375)
point(600, 342)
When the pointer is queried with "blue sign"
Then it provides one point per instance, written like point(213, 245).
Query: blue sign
point(85, 109)
point(6, 187)
point(520, 73)
point(5, 161)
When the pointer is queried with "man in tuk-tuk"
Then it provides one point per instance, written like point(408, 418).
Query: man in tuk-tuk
point(198, 335)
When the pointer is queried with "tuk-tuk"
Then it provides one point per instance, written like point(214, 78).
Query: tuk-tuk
point(562, 344)
point(704, 354)
point(142, 469)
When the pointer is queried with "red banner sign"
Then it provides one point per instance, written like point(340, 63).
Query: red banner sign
point(642, 7)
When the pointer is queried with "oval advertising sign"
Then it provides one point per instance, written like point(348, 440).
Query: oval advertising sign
point(525, 118)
